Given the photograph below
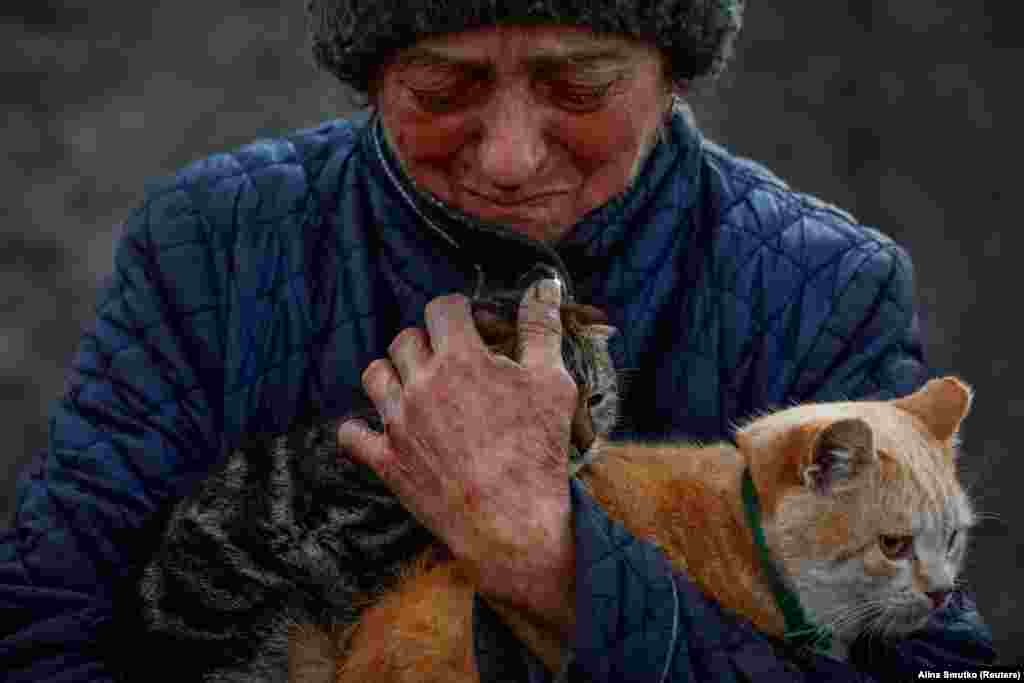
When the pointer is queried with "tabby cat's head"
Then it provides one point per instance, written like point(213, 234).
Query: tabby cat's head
point(585, 354)
point(862, 505)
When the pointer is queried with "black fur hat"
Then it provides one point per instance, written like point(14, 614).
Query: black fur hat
point(351, 38)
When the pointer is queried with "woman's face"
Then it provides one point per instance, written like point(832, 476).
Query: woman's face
point(527, 127)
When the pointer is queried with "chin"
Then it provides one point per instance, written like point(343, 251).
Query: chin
point(540, 231)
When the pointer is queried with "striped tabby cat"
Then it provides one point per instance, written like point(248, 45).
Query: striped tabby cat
point(288, 531)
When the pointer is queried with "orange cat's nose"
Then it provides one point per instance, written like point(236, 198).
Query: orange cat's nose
point(939, 598)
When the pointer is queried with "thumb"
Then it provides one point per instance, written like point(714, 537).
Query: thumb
point(540, 325)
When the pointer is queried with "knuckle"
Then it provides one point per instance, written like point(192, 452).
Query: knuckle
point(375, 372)
point(551, 311)
point(547, 296)
point(444, 301)
point(541, 326)
point(560, 383)
point(433, 306)
point(384, 467)
point(405, 337)
point(457, 366)
point(460, 357)
point(417, 390)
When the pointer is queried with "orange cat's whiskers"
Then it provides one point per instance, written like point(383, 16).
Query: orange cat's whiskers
point(874, 630)
point(980, 517)
point(891, 623)
point(854, 619)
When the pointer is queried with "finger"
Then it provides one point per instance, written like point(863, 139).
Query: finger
point(450, 325)
point(540, 325)
point(409, 351)
point(366, 446)
point(383, 386)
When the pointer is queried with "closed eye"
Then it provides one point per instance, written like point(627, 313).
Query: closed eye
point(442, 100)
point(580, 98)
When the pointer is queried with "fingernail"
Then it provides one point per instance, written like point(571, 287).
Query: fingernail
point(549, 291)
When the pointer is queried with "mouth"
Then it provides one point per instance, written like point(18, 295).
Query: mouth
point(543, 216)
point(516, 202)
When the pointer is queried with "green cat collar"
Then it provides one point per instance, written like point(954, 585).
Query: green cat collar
point(798, 629)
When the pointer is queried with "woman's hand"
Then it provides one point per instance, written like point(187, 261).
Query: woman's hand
point(475, 446)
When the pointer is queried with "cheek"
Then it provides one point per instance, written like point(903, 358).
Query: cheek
point(611, 139)
point(606, 142)
point(419, 136)
point(422, 138)
point(599, 139)
point(834, 532)
point(602, 152)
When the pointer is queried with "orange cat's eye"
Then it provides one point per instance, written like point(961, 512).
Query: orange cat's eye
point(896, 547)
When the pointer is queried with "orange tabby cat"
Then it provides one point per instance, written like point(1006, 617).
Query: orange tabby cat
point(861, 511)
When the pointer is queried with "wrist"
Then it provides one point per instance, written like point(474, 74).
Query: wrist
point(538, 577)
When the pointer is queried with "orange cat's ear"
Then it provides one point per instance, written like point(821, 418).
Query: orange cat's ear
point(941, 404)
point(840, 451)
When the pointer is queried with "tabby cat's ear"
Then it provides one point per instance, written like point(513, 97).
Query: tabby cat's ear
point(838, 452)
point(941, 404)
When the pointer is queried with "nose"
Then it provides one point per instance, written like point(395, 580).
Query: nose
point(939, 597)
point(512, 147)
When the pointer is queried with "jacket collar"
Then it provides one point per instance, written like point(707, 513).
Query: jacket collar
point(502, 255)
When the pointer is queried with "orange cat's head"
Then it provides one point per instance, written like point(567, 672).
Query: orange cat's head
point(862, 506)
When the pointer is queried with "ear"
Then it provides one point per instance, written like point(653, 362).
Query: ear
point(941, 404)
point(838, 452)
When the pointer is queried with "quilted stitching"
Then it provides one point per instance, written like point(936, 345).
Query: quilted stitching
point(618, 575)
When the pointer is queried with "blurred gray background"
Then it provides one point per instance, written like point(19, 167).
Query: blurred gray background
point(904, 113)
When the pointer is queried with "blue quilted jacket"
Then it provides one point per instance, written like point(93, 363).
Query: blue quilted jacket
point(253, 288)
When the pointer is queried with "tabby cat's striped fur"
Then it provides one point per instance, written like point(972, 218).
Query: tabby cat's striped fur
point(288, 531)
